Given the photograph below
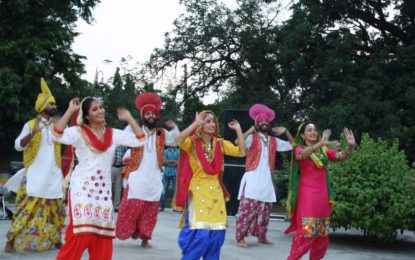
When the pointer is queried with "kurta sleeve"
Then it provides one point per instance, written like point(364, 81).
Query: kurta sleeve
point(69, 136)
point(248, 141)
point(232, 150)
point(25, 132)
point(298, 149)
point(331, 155)
point(282, 145)
point(127, 138)
point(186, 145)
point(170, 136)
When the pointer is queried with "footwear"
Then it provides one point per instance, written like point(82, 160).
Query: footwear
point(161, 209)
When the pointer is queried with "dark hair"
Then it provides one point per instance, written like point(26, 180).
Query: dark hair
point(86, 104)
point(305, 124)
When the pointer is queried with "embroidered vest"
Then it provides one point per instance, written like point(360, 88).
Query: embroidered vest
point(254, 153)
point(137, 154)
point(32, 149)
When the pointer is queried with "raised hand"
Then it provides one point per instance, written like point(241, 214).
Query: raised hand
point(74, 105)
point(124, 115)
point(326, 136)
point(348, 134)
point(234, 125)
point(279, 130)
point(36, 127)
point(200, 118)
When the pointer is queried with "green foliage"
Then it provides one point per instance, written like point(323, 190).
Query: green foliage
point(374, 190)
point(35, 41)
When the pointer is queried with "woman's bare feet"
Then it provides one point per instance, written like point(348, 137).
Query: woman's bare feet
point(10, 247)
point(242, 243)
point(144, 243)
point(265, 241)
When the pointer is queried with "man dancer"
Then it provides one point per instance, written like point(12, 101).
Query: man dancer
point(40, 210)
point(256, 192)
point(137, 215)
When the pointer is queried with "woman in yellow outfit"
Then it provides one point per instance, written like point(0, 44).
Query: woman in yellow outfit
point(200, 188)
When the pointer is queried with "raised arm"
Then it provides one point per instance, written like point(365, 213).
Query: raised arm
point(351, 144)
point(125, 116)
point(234, 125)
point(189, 130)
point(305, 153)
point(74, 106)
point(280, 130)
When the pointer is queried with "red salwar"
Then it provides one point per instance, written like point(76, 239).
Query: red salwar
point(301, 244)
point(136, 218)
point(99, 247)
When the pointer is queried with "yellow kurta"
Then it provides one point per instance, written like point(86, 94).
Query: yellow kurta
point(206, 203)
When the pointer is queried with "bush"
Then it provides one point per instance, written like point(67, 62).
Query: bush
point(374, 190)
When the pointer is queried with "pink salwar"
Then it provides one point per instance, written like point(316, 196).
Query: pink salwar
point(136, 218)
point(252, 218)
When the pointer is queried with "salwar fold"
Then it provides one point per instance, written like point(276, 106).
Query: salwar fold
point(136, 218)
point(301, 245)
point(252, 218)
point(197, 243)
point(37, 222)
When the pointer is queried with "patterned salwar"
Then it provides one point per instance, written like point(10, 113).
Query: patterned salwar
point(37, 222)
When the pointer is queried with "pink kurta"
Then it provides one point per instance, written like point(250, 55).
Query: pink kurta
point(312, 210)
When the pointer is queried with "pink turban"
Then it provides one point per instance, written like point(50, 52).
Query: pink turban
point(260, 112)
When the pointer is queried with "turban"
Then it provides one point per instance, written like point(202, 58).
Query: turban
point(44, 98)
point(148, 101)
point(260, 112)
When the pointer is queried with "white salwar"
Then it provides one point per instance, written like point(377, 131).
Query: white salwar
point(257, 184)
point(90, 183)
point(145, 183)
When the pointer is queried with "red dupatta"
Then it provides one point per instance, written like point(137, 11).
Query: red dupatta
point(185, 173)
point(94, 142)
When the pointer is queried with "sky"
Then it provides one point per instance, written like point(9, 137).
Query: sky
point(122, 28)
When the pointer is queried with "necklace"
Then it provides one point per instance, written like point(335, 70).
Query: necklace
point(208, 151)
point(46, 124)
point(264, 139)
point(150, 142)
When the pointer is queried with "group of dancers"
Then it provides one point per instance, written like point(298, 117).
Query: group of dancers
point(89, 222)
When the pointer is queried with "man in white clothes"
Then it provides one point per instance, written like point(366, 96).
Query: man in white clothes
point(40, 213)
point(256, 192)
point(137, 215)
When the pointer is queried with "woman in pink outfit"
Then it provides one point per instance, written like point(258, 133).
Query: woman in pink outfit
point(310, 197)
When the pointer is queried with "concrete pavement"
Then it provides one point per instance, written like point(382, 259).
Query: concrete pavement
point(344, 245)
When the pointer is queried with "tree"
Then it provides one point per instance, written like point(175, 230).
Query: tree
point(374, 190)
point(35, 41)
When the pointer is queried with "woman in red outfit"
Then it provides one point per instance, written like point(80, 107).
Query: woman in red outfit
point(309, 198)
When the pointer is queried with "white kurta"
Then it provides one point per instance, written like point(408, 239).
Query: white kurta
point(257, 184)
point(145, 183)
point(90, 184)
point(44, 176)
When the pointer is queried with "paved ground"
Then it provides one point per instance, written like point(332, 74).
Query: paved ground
point(348, 245)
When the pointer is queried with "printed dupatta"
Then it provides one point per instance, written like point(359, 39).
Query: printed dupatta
point(185, 173)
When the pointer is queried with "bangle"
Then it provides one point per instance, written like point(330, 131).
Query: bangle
point(57, 131)
point(140, 136)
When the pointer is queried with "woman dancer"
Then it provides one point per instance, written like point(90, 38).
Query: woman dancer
point(200, 187)
point(90, 207)
point(309, 197)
